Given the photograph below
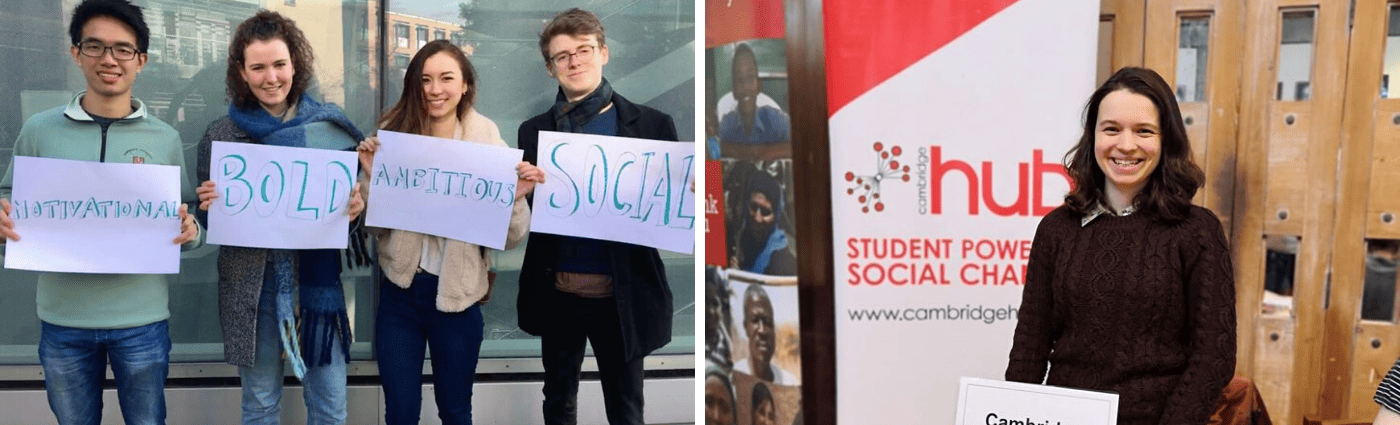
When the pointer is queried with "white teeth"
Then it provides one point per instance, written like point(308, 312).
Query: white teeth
point(1126, 162)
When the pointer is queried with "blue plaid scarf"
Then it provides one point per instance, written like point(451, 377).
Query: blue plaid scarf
point(315, 272)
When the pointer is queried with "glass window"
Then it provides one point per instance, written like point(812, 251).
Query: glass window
point(1192, 55)
point(183, 85)
point(401, 34)
point(422, 36)
point(1295, 54)
point(439, 35)
point(651, 62)
point(1392, 50)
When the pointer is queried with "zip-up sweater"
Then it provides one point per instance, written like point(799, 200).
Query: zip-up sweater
point(96, 300)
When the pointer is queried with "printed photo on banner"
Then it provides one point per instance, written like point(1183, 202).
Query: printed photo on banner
point(760, 214)
point(617, 188)
point(280, 197)
point(746, 101)
point(114, 218)
point(765, 348)
point(437, 186)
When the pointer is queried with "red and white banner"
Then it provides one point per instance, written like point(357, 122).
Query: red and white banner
point(949, 122)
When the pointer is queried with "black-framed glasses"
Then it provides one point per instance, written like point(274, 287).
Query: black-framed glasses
point(583, 55)
point(95, 49)
point(760, 210)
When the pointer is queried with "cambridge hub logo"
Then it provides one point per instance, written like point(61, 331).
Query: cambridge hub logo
point(931, 172)
point(887, 167)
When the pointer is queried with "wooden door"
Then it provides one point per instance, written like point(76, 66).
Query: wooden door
point(1194, 45)
point(1120, 36)
point(1290, 113)
point(1361, 332)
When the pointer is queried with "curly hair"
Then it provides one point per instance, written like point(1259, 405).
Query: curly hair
point(410, 115)
point(264, 26)
point(121, 10)
point(1167, 195)
point(573, 22)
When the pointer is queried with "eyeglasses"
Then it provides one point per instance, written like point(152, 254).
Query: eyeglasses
point(583, 55)
point(95, 49)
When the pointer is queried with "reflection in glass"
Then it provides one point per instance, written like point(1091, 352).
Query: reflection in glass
point(1378, 298)
point(1280, 261)
point(1392, 50)
point(1295, 55)
point(1193, 48)
point(182, 84)
point(651, 61)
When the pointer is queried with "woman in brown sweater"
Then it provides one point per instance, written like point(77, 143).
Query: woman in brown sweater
point(1129, 287)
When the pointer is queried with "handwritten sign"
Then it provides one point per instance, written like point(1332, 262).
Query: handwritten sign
point(93, 217)
point(985, 401)
point(280, 197)
point(618, 189)
point(450, 188)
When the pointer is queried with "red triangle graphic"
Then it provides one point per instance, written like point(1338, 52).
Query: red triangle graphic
point(868, 41)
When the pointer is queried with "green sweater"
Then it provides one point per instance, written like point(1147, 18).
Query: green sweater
point(90, 300)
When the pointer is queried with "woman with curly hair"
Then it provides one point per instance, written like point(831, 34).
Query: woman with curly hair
point(269, 71)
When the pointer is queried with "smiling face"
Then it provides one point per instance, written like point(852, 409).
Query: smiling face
point(268, 70)
point(745, 75)
point(443, 85)
point(1127, 142)
point(577, 76)
point(106, 76)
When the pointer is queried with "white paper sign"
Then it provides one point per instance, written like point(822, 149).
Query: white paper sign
point(280, 197)
point(616, 188)
point(94, 217)
point(450, 188)
point(986, 401)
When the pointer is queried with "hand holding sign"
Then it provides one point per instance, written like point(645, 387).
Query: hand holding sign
point(450, 188)
point(617, 188)
point(7, 224)
point(115, 218)
point(265, 196)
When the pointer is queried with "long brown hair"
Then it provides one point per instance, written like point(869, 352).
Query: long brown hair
point(410, 113)
point(1167, 195)
point(263, 26)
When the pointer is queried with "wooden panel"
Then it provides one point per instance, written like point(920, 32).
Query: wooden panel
point(1352, 359)
point(1308, 194)
point(1384, 195)
point(1377, 346)
point(812, 192)
point(1127, 18)
point(1196, 115)
point(1290, 129)
point(1273, 372)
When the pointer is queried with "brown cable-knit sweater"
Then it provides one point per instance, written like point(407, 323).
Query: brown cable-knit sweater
point(1132, 306)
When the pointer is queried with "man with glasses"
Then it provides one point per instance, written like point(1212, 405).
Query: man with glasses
point(88, 320)
point(576, 289)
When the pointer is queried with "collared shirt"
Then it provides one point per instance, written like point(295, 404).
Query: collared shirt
point(1101, 210)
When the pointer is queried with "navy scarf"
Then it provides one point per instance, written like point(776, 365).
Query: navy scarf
point(316, 272)
point(569, 117)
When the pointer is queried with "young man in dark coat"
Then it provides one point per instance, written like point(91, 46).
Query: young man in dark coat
point(575, 289)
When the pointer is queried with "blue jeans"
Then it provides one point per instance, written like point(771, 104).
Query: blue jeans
point(323, 387)
point(407, 320)
point(75, 362)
